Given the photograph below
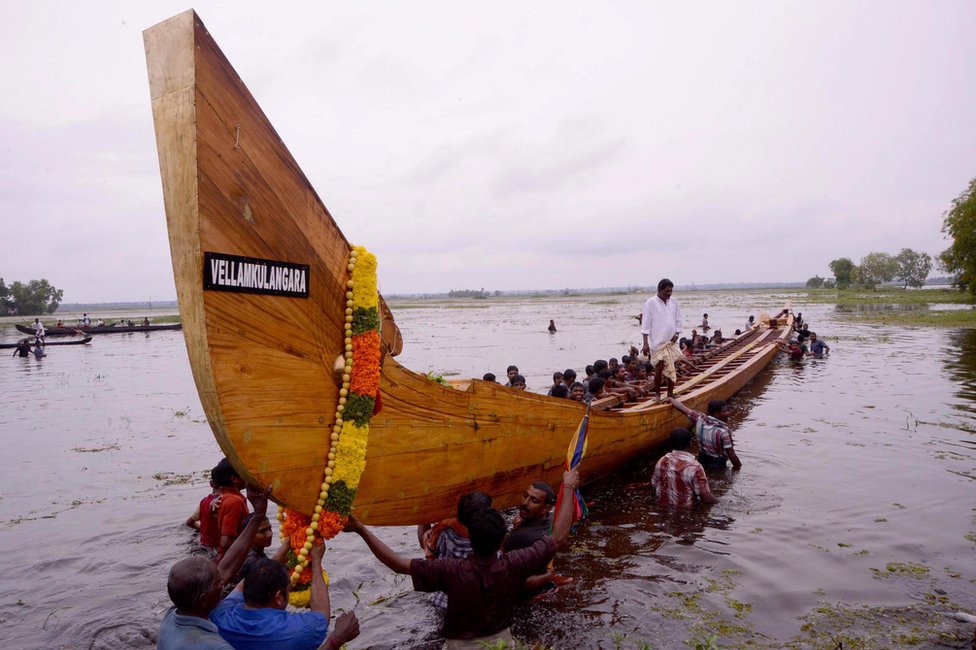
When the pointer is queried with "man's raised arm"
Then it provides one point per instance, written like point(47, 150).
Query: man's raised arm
point(563, 519)
point(383, 553)
point(234, 558)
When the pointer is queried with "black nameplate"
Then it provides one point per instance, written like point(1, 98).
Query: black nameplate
point(223, 272)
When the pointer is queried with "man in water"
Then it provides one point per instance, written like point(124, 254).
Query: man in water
point(817, 347)
point(533, 519)
point(483, 589)
point(714, 435)
point(23, 348)
point(660, 327)
point(678, 478)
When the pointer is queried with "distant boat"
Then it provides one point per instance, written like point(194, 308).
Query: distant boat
point(86, 339)
point(263, 362)
point(100, 329)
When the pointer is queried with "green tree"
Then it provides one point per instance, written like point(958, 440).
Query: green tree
point(6, 302)
point(960, 224)
point(815, 282)
point(843, 270)
point(876, 268)
point(36, 297)
point(913, 268)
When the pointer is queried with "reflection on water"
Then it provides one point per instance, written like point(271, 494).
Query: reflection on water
point(852, 463)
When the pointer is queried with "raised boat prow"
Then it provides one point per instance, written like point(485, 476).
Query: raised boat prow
point(261, 272)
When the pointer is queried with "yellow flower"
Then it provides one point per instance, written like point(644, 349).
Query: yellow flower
point(350, 452)
point(364, 291)
point(303, 597)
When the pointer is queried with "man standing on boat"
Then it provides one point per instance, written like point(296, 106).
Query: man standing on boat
point(660, 327)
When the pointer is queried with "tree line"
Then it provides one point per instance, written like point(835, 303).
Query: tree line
point(29, 299)
point(910, 267)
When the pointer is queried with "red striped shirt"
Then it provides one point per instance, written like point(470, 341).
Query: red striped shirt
point(678, 479)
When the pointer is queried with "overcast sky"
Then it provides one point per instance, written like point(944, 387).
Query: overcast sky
point(512, 145)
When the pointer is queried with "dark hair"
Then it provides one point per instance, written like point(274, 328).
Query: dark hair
point(705, 315)
point(487, 530)
point(680, 439)
point(557, 374)
point(590, 370)
point(246, 520)
point(559, 390)
point(518, 379)
point(596, 385)
point(716, 406)
point(489, 376)
point(510, 369)
point(664, 284)
point(626, 359)
point(801, 338)
point(737, 332)
point(545, 487)
point(189, 580)
point(265, 579)
point(569, 374)
point(471, 503)
point(223, 474)
point(573, 386)
point(599, 365)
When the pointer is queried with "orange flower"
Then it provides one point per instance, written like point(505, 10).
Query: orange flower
point(365, 378)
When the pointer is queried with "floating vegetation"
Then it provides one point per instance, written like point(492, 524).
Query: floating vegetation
point(94, 450)
point(907, 569)
point(835, 627)
point(172, 478)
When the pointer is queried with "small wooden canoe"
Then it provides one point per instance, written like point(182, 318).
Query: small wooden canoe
point(263, 362)
point(82, 341)
point(100, 329)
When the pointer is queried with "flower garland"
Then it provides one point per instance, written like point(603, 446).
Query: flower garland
point(347, 450)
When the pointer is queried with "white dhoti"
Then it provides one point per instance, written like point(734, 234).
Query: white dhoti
point(669, 353)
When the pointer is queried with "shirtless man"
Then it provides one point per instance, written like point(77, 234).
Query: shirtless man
point(660, 327)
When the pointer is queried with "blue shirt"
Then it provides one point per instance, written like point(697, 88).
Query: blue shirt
point(179, 632)
point(267, 628)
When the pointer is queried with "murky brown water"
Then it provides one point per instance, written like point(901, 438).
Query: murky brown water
point(857, 488)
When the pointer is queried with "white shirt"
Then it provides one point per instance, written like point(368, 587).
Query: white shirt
point(660, 321)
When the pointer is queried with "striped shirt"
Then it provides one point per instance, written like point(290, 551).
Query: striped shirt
point(713, 435)
point(678, 479)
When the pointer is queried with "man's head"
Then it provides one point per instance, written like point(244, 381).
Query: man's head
point(716, 408)
point(559, 390)
point(596, 386)
point(557, 378)
point(680, 438)
point(511, 371)
point(577, 391)
point(264, 536)
point(267, 584)
point(612, 364)
point(752, 319)
point(486, 530)
point(537, 501)
point(590, 370)
point(194, 586)
point(471, 503)
point(705, 316)
point(642, 371)
point(224, 475)
point(813, 336)
point(569, 376)
point(664, 289)
point(489, 376)
point(518, 381)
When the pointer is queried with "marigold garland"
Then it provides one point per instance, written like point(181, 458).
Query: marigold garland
point(347, 451)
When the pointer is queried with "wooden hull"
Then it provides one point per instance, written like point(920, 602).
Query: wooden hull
point(81, 341)
point(263, 363)
point(105, 329)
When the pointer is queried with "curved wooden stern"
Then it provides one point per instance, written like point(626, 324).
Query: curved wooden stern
point(263, 363)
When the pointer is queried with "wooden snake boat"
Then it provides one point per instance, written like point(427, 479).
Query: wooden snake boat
point(263, 363)
point(100, 329)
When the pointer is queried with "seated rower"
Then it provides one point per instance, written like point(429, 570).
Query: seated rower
point(596, 390)
point(560, 391)
point(483, 589)
point(557, 379)
point(577, 391)
point(569, 378)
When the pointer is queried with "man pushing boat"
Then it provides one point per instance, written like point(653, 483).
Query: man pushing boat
point(660, 327)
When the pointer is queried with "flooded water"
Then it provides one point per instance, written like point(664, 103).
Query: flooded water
point(853, 513)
